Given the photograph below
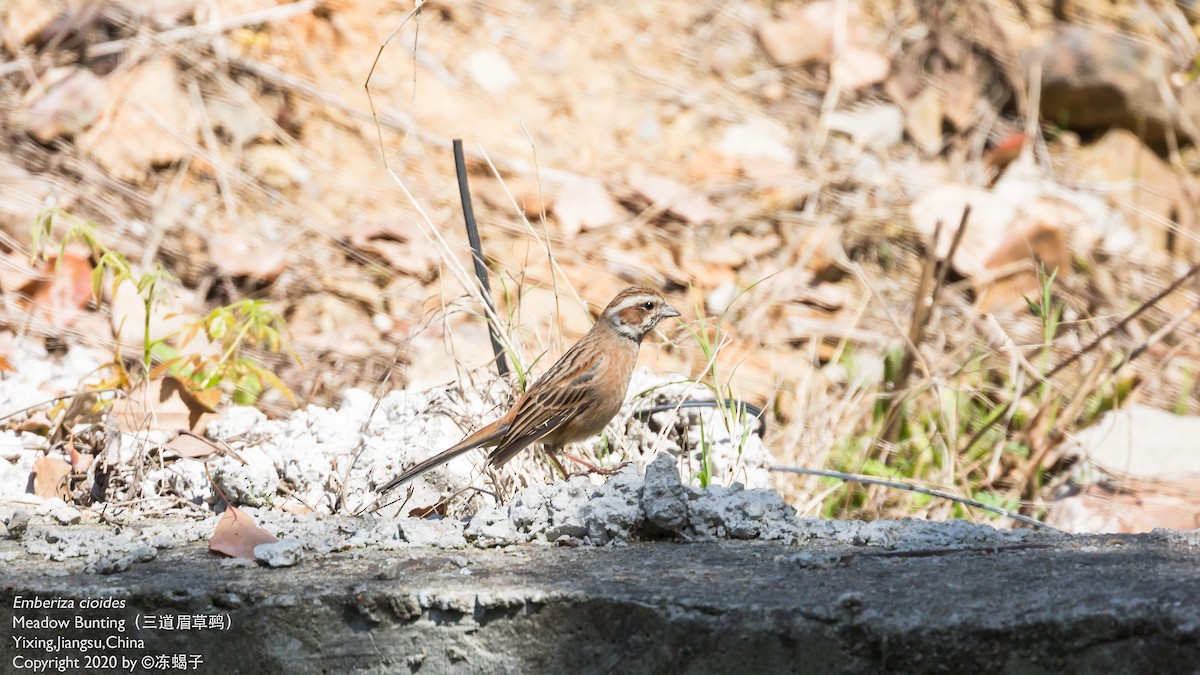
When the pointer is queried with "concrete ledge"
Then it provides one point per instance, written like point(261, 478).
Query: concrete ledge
point(1099, 604)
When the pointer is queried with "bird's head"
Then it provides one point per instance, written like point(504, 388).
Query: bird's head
point(636, 311)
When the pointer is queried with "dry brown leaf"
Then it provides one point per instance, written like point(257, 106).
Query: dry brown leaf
point(295, 506)
point(1153, 196)
point(1005, 152)
point(788, 285)
point(191, 447)
point(23, 20)
point(529, 196)
point(990, 219)
point(163, 403)
point(237, 534)
point(209, 398)
point(249, 257)
point(82, 409)
point(711, 165)
point(861, 67)
point(399, 244)
point(7, 339)
point(50, 476)
point(806, 34)
point(962, 95)
point(923, 120)
point(147, 124)
point(681, 201)
point(68, 106)
point(325, 322)
point(25, 197)
point(1143, 508)
point(187, 445)
point(15, 271)
point(277, 166)
point(127, 314)
point(1003, 240)
point(584, 205)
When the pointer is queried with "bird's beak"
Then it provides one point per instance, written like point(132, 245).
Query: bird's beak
point(669, 311)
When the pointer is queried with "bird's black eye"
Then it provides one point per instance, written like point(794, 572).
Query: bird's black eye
point(647, 305)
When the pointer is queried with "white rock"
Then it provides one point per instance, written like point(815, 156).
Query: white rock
point(283, 553)
point(664, 501)
point(490, 70)
point(1142, 442)
point(761, 138)
point(491, 527)
point(252, 484)
point(442, 533)
point(614, 510)
point(235, 420)
point(877, 127)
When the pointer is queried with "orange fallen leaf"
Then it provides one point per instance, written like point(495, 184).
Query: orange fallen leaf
point(162, 403)
point(237, 534)
point(295, 506)
point(1003, 153)
point(49, 476)
point(190, 447)
point(209, 398)
point(65, 290)
point(80, 462)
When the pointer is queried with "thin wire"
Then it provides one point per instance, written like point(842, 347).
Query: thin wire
point(745, 408)
point(868, 480)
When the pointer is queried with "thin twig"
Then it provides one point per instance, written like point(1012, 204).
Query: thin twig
point(183, 34)
point(1157, 337)
point(546, 233)
point(376, 395)
point(934, 273)
point(1119, 326)
point(430, 231)
point(64, 397)
point(555, 270)
point(303, 87)
point(214, 149)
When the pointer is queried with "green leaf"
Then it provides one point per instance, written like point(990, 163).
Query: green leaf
point(1034, 308)
point(97, 282)
point(273, 380)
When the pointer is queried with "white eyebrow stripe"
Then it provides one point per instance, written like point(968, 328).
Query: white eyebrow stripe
point(633, 300)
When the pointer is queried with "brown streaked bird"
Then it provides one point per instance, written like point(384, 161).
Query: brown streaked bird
point(577, 396)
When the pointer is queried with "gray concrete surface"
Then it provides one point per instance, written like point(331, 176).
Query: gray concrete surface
point(1128, 604)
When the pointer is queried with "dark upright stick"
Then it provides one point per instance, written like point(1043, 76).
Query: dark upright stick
point(464, 192)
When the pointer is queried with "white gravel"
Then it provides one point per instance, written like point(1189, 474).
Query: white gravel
point(310, 480)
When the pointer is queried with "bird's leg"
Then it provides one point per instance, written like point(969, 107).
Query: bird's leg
point(550, 455)
point(591, 468)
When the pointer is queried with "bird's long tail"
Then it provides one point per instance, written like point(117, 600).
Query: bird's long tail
point(434, 462)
